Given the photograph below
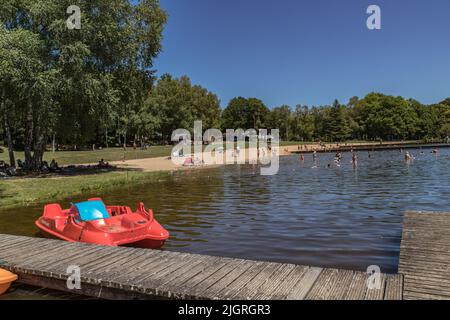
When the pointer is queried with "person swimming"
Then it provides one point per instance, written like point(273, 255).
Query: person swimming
point(338, 157)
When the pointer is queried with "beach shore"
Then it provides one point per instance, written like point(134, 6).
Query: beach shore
point(247, 156)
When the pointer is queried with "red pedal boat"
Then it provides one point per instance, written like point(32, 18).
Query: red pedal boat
point(93, 222)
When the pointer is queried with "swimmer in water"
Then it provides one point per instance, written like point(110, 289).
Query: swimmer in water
point(302, 158)
point(408, 156)
point(354, 159)
point(338, 157)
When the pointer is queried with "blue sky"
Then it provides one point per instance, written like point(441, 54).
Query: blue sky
point(309, 51)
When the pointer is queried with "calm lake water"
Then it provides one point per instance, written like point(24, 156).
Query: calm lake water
point(333, 217)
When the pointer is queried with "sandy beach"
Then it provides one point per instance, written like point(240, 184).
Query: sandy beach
point(211, 160)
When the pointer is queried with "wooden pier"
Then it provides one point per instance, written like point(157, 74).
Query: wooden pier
point(131, 273)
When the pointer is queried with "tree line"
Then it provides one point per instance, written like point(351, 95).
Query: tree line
point(97, 86)
point(373, 117)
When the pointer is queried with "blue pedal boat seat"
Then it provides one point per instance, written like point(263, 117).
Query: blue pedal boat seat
point(91, 210)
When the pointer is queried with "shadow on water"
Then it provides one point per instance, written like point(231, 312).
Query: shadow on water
point(337, 216)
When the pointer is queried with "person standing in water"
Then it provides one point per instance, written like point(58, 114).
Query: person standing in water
point(354, 159)
point(408, 156)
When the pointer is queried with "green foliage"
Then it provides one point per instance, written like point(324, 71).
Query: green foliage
point(374, 117)
point(176, 103)
point(73, 83)
point(242, 113)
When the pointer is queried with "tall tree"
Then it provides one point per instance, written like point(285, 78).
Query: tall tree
point(242, 113)
point(175, 103)
point(76, 76)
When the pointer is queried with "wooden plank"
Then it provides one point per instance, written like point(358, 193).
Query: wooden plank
point(234, 287)
point(394, 287)
point(287, 284)
point(150, 283)
point(134, 268)
point(238, 270)
point(155, 268)
point(323, 285)
point(357, 288)
point(172, 285)
point(20, 249)
point(377, 293)
point(32, 255)
point(250, 289)
point(425, 256)
point(185, 290)
point(201, 289)
point(304, 286)
point(341, 285)
point(266, 289)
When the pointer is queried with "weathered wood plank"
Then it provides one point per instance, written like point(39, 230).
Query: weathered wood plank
point(377, 293)
point(425, 256)
point(250, 289)
point(357, 288)
point(394, 287)
point(288, 283)
point(302, 287)
point(266, 289)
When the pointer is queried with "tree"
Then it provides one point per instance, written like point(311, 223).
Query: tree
point(68, 80)
point(242, 113)
point(386, 117)
point(176, 103)
point(280, 118)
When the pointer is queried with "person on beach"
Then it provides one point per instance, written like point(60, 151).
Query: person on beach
point(54, 165)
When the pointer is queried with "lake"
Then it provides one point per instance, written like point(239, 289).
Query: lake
point(337, 216)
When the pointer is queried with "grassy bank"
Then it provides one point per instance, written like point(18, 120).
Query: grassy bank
point(20, 192)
